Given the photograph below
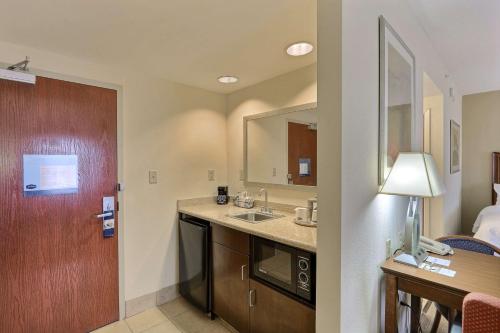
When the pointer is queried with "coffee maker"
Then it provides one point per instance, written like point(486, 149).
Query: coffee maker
point(222, 195)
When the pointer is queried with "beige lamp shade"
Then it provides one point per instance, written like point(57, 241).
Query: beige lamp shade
point(414, 174)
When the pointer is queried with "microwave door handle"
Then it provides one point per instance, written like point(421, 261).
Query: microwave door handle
point(243, 272)
point(251, 298)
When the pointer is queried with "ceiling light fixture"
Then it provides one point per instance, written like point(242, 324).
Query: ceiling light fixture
point(227, 79)
point(299, 49)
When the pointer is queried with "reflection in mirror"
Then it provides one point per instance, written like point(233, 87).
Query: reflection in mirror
point(281, 148)
point(397, 66)
point(399, 107)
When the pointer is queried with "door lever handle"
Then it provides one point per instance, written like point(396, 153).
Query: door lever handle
point(103, 215)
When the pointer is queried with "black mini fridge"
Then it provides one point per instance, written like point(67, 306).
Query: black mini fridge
point(194, 261)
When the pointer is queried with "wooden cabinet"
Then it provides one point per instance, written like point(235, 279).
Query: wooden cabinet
point(248, 305)
point(230, 238)
point(230, 277)
point(273, 312)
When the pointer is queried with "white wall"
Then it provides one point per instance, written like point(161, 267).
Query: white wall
point(369, 219)
point(179, 131)
point(434, 222)
point(175, 129)
point(330, 130)
point(291, 89)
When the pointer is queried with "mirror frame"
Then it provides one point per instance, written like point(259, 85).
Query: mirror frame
point(384, 29)
point(278, 112)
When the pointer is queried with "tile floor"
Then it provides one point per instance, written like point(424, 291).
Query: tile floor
point(177, 316)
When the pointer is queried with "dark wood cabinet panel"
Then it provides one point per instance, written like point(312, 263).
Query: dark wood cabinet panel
point(273, 312)
point(233, 239)
point(230, 286)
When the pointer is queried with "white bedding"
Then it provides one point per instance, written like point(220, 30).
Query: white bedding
point(487, 225)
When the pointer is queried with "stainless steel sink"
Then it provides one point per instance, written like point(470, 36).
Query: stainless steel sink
point(255, 217)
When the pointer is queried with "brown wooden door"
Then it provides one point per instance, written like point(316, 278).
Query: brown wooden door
point(230, 286)
point(57, 272)
point(302, 145)
point(273, 312)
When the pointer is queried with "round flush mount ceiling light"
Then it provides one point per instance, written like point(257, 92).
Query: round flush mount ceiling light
point(227, 79)
point(299, 49)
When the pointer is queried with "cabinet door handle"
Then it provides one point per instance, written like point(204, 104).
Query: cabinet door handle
point(243, 272)
point(251, 298)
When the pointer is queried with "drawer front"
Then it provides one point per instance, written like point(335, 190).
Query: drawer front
point(267, 312)
point(233, 239)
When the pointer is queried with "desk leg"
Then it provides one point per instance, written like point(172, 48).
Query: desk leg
point(391, 293)
point(416, 310)
point(452, 314)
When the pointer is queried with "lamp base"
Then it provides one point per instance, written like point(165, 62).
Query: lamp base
point(412, 259)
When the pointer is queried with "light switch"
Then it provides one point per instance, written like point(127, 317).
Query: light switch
point(211, 175)
point(153, 176)
point(274, 172)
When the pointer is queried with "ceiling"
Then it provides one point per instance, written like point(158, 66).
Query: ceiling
point(466, 34)
point(430, 88)
point(188, 41)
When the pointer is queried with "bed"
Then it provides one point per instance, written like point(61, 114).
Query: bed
point(487, 225)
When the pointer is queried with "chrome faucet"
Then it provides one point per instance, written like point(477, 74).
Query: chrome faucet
point(265, 209)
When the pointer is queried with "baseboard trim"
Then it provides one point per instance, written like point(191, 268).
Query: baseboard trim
point(148, 301)
point(228, 326)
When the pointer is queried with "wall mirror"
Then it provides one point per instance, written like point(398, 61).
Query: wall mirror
point(280, 147)
point(397, 98)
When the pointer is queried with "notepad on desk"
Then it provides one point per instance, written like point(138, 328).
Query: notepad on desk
point(438, 261)
point(430, 262)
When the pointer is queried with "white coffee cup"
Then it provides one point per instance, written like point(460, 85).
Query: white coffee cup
point(301, 214)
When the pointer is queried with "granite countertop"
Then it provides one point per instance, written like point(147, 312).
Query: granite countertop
point(282, 230)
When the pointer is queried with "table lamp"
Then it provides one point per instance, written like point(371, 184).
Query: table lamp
point(414, 175)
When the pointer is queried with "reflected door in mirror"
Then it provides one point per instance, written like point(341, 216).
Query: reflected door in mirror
point(302, 154)
point(280, 147)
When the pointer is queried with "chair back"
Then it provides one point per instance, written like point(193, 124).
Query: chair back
point(469, 244)
point(481, 314)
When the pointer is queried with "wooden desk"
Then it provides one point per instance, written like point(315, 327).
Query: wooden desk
point(475, 273)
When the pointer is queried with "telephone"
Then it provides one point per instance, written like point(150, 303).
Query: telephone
point(435, 247)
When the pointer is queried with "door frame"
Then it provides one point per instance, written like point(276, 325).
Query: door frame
point(433, 143)
point(119, 146)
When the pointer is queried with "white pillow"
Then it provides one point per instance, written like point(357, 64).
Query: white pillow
point(497, 189)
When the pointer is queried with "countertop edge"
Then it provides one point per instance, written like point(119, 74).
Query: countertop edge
point(302, 246)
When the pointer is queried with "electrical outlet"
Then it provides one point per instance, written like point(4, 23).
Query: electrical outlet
point(153, 176)
point(211, 175)
point(242, 175)
point(274, 172)
point(388, 249)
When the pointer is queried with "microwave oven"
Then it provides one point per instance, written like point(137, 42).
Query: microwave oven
point(284, 268)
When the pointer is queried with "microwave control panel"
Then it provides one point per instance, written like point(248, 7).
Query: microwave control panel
point(304, 275)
